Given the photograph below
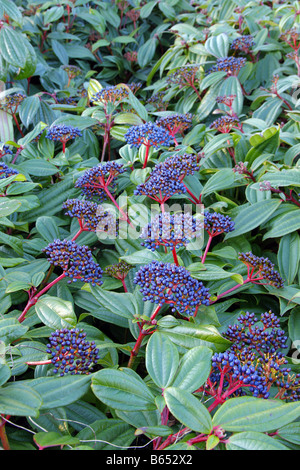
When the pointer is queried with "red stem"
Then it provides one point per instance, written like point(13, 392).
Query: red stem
point(147, 155)
point(34, 299)
point(206, 249)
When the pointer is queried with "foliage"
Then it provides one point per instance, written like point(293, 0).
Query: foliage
point(121, 327)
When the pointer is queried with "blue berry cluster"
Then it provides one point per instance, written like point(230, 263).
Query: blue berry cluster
point(112, 93)
point(76, 261)
point(165, 180)
point(94, 180)
point(71, 353)
point(11, 103)
point(230, 65)
point(262, 266)
point(157, 100)
point(5, 150)
point(175, 123)
point(262, 335)
point(171, 230)
point(243, 43)
point(166, 283)
point(224, 124)
point(216, 223)
point(257, 342)
point(5, 171)
point(63, 133)
point(183, 76)
point(92, 217)
point(148, 134)
point(243, 374)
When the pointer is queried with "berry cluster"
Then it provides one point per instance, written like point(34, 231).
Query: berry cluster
point(224, 124)
point(291, 37)
point(166, 283)
point(166, 178)
point(119, 270)
point(230, 65)
point(175, 123)
point(71, 352)
point(148, 134)
point(262, 267)
point(63, 133)
point(215, 223)
point(96, 180)
point(260, 341)
point(262, 336)
point(5, 150)
point(72, 70)
point(113, 94)
point(229, 369)
point(185, 75)
point(5, 171)
point(11, 103)
point(157, 100)
point(243, 43)
point(171, 230)
point(226, 99)
point(89, 214)
point(76, 261)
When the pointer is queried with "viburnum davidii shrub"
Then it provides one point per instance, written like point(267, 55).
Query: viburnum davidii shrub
point(149, 225)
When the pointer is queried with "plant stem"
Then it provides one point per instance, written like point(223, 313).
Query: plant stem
point(206, 249)
point(146, 155)
point(3, 436)
point(34, 299)
point(140, 338)
point(175, 256)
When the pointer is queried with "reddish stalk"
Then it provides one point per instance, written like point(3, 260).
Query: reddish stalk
point(146, 155)
point(143, 333)
point(3, 436)
point(206, 249)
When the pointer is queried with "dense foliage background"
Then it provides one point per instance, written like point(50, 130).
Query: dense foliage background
point(109, 107)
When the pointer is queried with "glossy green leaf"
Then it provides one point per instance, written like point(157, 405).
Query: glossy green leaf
point(161, 371)
point(122, 390)
point(188, 410)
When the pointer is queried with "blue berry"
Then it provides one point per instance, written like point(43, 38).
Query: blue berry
point(62, 133)
point(76, 261)
point(216, 223)
point(96, 180)
point(147, 134)
point(71, 352)
point(5, 171)
point(166, 283)
point(171, 230)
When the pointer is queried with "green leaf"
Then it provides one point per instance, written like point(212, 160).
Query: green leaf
point(282, 178)
point(107, 434)
point(266, 142)
point(255, 414)
point(194, 369)
point(253, 215)
point(8, 206)
point(218, 45)
point(252, 440)
point(38, 168)
point(122, 390)
point(55, 312)
point(60, 391)
point(17, 399)
point(209, 272)
point(187, 335)
point(162, 359)
point(284, 224)
point(52, 439)
point(290, 433)
point(121, 304)
point(11, 329)
point(223, 179)
point(47, 228)
point(289, 256)
point(12, 47)
point(188, 410)
point(28, 109)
